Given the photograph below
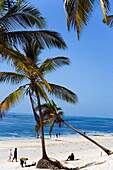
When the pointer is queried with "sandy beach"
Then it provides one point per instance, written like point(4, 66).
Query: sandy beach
point(87, 155)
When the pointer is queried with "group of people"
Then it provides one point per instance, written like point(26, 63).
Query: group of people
point(23, 160)
point(11, 155)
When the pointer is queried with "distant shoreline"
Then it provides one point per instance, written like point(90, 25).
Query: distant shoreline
point(52, 136)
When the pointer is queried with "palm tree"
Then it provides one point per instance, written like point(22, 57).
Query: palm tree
point(16, 16)
point(36, 86)
point(78, 12)
point(54, 115)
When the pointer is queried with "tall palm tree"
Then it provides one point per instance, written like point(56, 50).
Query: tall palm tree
point(36, 86)
point(54, 115)
point(78, 12)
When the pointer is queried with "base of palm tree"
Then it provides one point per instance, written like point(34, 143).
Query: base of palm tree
point(50, 164)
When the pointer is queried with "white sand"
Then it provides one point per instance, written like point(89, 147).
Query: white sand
point(87, 155)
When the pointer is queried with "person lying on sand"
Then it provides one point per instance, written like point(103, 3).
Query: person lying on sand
point(70, 157)
point(33, 164)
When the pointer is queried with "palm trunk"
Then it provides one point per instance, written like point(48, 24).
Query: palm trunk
point(44, 154)
point(37, 119)
point(103, 148)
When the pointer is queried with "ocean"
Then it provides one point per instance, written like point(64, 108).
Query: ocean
point(22, 126)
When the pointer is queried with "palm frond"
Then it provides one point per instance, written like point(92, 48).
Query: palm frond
point(107, 4)
point(32, 50)
point(78, 13)
point(50, 110)
point(9, 53)
point(44, 38)
point(11, 77)
point(21, 62)
point(40, 90)
point(45, 122)
point(52, 63)
point(109, 21)
point(51, 126)
point(37, 127)
point(1, 6)
point(22, 15)
point(5, 5)
point(63, 93)
point(12, 99)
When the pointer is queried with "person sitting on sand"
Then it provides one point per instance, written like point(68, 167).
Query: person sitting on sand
point(70, 157)
point(23, 161)
point(33, 164)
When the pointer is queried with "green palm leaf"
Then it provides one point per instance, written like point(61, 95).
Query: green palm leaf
point(11, 77)
point(10, 54)
point(40, 90)
point(51, 126)
point(32, 50)
point(45, 122)
point(22, 15)
point(1, 6)
point(78, 13)
point(21, 62)
point(44, 38)
point(52, 63)
point(63, 93)
point(12, 99)
point(52, 112)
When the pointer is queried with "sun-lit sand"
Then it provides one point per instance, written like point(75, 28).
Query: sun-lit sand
point(87, 155)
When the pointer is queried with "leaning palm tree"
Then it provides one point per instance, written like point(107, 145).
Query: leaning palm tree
point(78, 12)
point(53, 115)
point(36, 86)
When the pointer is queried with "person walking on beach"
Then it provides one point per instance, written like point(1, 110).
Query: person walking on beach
point(10, 155)
point(15, 155)
point(56, 135)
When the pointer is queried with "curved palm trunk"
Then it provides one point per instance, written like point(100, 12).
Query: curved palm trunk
point(35, 114)
point(90, 139)
point(44, 154)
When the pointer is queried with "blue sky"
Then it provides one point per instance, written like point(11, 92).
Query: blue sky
point(90, 74)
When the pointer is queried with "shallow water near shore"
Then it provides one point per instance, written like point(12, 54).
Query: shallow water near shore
point(20, 125)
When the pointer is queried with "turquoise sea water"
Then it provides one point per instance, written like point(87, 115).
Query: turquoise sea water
point(22, 126)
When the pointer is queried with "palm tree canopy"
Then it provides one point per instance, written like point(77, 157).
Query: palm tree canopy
point(51, 115)
point(24, 15)
point(78, 12)
point(36, 82)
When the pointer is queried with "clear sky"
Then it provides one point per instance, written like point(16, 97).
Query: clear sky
point(90, 74)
